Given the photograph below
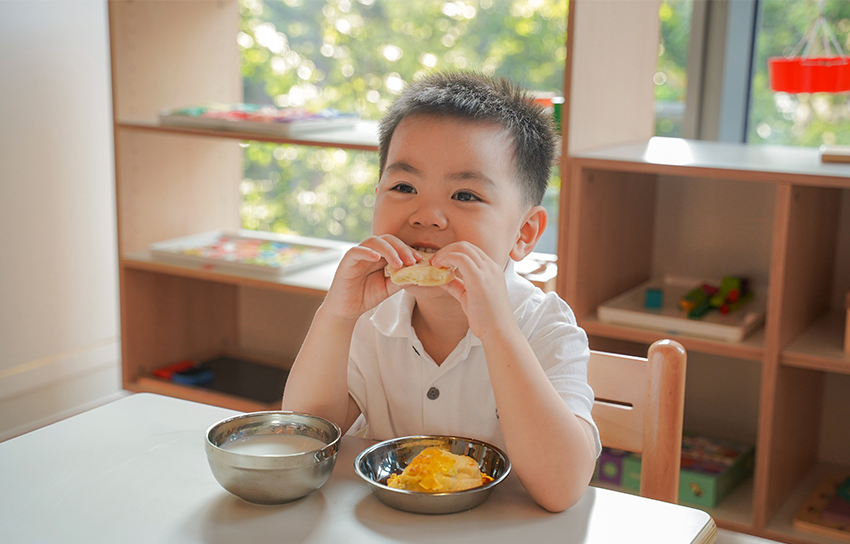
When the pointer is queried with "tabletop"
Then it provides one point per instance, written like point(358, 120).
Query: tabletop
point(135, 470)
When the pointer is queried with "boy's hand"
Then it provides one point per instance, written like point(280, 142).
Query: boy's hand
point(359, 283)
point(480, 288)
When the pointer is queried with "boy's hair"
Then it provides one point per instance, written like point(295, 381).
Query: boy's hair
point(478, 97)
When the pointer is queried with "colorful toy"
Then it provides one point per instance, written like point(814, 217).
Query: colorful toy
point(654, 298)
point(734, 292)
point(697, 297)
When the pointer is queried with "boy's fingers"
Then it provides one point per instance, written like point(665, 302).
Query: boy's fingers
point(397, 253)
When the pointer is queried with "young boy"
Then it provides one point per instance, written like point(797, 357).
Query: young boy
point(464, 162)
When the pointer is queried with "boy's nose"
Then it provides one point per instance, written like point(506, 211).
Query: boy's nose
point(428, 216)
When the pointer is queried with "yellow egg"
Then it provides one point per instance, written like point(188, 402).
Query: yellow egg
point(437, 471)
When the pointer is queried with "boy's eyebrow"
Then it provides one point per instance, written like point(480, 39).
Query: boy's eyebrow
point(471, 175)
point(404, 167)
point(463, 175)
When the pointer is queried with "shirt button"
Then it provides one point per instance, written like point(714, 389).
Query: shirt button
point(433, 393)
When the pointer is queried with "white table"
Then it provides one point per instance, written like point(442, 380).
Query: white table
point(135, 471)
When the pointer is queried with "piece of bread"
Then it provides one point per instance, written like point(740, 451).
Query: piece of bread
point(421, 273)
point(437, 471)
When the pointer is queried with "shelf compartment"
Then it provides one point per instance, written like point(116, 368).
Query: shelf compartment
point(238, 380)
point(628, 309)
point(781, 526)
point(364, 136)
point(820, 346)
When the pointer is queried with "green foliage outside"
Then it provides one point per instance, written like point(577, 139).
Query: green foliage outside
point(802, 119)
point(671, 81)
point(355, 56)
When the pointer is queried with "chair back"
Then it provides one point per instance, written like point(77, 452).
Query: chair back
point(639, 407)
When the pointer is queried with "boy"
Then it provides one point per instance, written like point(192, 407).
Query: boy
point(464, 163)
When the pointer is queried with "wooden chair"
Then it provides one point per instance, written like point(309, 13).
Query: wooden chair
point(639, 407)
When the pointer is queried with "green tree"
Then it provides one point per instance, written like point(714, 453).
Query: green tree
point(355, 56)
point(671, 82)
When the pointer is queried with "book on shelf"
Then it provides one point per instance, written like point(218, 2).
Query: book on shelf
point(269, 120)
point(247, 251)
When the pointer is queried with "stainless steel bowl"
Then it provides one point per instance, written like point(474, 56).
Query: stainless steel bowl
point(376, 463)
point(271, 477)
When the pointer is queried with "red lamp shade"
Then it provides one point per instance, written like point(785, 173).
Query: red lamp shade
point(810, 74)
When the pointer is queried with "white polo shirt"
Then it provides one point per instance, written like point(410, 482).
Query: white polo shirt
point(401, 391)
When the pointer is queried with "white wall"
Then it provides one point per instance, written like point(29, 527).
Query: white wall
point(59, 332)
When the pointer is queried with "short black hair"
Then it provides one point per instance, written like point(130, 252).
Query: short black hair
point(477, 97)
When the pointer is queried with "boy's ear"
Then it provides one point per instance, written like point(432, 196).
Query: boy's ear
point(529, 232)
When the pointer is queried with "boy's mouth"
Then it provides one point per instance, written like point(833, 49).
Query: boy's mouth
point(424, 250)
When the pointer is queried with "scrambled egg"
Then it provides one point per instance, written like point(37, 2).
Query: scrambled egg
point(438, 471)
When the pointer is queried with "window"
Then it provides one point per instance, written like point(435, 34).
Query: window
point(796, 119)
point(355, 56)
point(712, 80)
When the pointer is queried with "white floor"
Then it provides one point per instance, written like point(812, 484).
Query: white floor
point(730, 537)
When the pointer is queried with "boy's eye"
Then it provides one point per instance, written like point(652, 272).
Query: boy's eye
point(465, 196)
point(404, 188)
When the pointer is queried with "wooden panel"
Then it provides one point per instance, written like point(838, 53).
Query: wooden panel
point(363, 136)
point(610, 233)
point(170, 53)
point(805, 255)
point(611, 93)
point(620, 424)
point(166, 319)
point(794, 428)
point(170, 186)
point(274, 324)
point(198, 394)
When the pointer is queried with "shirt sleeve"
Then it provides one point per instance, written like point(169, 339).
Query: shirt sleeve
point(562, 349)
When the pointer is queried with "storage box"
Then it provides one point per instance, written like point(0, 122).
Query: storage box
point(609, 467)
point(711, 469)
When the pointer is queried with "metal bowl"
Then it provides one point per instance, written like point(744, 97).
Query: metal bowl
point(259, 456)
point(376, 463)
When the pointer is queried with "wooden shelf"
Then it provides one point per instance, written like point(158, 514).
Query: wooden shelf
point(751, 348)
point(619, 201)
point(364, 136)
point(821, 346)
point(781, 526)
point(314, 281)
point(147, 384)
point(718, 160)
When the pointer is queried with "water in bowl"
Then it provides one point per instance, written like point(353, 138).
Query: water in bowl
point(274, 444)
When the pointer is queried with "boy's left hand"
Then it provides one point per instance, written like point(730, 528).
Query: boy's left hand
point(480, 287)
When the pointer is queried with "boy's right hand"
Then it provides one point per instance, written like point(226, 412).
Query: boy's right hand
point(360, 283)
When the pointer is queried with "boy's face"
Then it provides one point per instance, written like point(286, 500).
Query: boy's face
point(448, 180)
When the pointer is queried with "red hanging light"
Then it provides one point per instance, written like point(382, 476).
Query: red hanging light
point(829, 73)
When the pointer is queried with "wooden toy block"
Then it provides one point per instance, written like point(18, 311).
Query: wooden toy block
point(654, 298)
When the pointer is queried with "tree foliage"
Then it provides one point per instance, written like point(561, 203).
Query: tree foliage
point(355, 56)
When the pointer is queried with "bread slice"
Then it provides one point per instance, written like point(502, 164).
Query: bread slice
point(421, 273)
